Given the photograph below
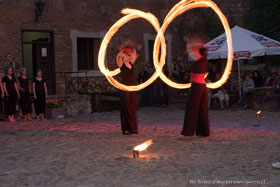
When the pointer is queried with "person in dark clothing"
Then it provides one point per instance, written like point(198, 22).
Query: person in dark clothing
point(10, 62)
point(196, 116)
point(40, 92)
point(145, 93)
point(25, 99)
point(12, 94)
point(1, 99)
point(160, 90)
point(126, 59)
point(270, 80)
point(258, 80)
point(165, 88)
point(277, 84)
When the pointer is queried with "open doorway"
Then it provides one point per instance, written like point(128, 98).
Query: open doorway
point(38, 53)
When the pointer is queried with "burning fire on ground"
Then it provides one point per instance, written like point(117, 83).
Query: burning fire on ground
point(141, 147)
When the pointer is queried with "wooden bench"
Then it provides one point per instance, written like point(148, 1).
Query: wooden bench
point(105, 101)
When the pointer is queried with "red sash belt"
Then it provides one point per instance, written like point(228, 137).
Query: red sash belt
point(198, 78)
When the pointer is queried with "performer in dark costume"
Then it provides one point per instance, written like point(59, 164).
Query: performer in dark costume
point(126, 59)
point(12, 94)
point(40, 95)
point(196, 116)
point(25, 99)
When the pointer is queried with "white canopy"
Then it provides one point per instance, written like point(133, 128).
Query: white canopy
point(246, 44)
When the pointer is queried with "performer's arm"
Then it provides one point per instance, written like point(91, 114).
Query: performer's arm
point(46, 90)
point(16, 87)
point(196, 51)
point(5, 88)
point(20, 88)
point(120, 60)
point(34, 90)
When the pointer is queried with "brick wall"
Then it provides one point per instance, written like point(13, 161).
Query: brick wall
point(62, 16)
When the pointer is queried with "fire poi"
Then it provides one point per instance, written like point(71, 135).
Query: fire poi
point(160, 44)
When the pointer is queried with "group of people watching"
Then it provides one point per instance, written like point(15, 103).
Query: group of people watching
point(248, 82)
point(157, 93)
point(17, 89)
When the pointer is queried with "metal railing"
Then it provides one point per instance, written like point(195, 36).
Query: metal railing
point(72, 82)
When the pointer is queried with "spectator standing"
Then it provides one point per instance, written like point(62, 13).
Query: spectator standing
point(145, 93)
point(25, 99)
point(270, 80)
point(277, 84)
point(40, 95)
point(212, 72)
point(177, 71)
point(1, 99)
point(234, 83)
point(12, 94)
point(10, 62)
point(258, 81)
point(247, 86)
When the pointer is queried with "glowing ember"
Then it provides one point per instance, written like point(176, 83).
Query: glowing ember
point(259, 112)
point(160, 44)
point(143, 146)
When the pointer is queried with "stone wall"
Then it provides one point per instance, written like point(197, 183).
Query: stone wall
point(75, 105)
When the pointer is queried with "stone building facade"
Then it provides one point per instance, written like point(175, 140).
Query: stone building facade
point(64, 40)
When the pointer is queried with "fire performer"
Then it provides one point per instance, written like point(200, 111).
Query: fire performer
point(196, 115)
point(126, 59)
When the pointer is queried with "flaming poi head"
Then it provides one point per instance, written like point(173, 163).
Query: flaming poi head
point(159, 53)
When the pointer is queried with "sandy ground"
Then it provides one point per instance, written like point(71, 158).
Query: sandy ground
point(91, 151)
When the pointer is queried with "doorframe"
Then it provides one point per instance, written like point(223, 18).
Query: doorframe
point(52, 52)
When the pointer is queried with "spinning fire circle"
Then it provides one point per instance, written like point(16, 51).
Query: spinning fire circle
point(160, 44)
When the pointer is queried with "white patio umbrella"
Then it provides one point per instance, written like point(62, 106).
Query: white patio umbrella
point(246, 44)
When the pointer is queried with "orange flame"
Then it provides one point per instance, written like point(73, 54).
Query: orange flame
point(143, 146)
point(259, 112)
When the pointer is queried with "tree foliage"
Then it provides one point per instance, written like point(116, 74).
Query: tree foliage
point(264, 18)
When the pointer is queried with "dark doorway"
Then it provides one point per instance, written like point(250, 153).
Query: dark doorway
point(38, 53)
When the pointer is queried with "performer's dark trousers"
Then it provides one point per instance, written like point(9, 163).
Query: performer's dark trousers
point(129, 112)
point(196, 116)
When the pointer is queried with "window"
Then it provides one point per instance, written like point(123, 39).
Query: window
point(38, 37)
point(87, 53)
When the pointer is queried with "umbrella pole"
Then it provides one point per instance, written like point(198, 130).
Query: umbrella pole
point(239, 79)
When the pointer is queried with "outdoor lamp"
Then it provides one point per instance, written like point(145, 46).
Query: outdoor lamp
point(39, 9)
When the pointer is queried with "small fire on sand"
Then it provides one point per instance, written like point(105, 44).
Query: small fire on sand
point(258, 114)
point(141, 147)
